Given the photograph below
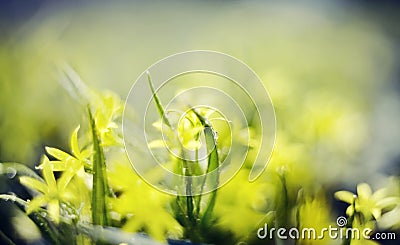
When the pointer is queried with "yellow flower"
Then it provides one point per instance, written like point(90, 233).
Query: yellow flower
point(313, 212)
point(52, 191)
point(391, 219)
point(240, 200)
point(67, 162)
point(369, 204)
point(362, 226)
point(144, 207)
point(108, 108)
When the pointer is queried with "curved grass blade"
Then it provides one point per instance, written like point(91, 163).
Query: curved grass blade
point(188, 200)
point(73, 83)
point(160, 107)
point(100, 182)
point(213, 163)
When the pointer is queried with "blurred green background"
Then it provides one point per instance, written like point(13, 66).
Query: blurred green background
point(331, 68)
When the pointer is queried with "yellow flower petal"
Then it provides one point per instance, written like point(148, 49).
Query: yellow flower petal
point(58, 154)
point(390, 219)
point(57, 166)
point(64, 180)
point(345, 196)
point(36, 203)
point(157, 124)
point(85, 154)
point(74, 143)
point(53, 207)
point(364, 190)
point(376, 212)
point(49, 177)
point(379, 194)
point(156, 144)
point(350, 210)
point(33, 184)
point(387, 202)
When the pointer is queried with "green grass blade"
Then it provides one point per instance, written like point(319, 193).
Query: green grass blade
point(188, 200)
point(160, 107)
point(213, 163)
point(100, 183)
point(73, 83)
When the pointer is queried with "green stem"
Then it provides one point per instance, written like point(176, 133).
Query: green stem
point(284, 210)
point(349, 224)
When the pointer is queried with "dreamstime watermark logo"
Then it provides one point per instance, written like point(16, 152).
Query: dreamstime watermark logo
point(341, 221)
point(332, 232)
point(195, 82)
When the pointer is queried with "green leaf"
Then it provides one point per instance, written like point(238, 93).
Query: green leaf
point(160, 108)
point(189, 197)
point(100, 183)
point(213, 163)
point(73, 83)
point(188, 200)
